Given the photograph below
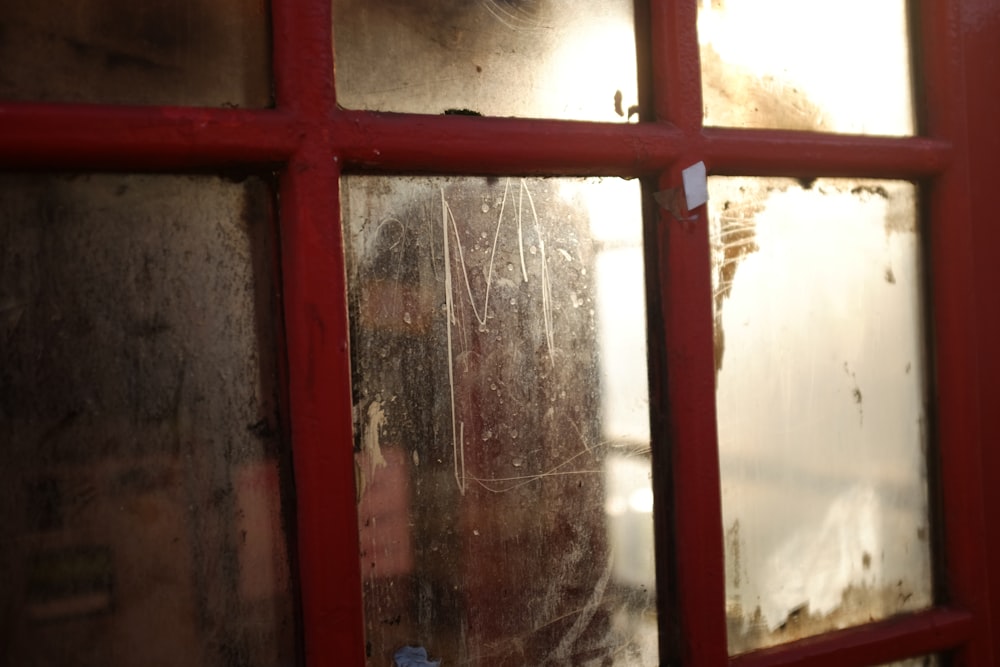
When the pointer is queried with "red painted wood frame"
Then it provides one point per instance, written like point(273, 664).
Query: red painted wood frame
point(309, 141)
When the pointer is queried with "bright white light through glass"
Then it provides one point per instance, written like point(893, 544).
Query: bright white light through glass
point(834, 66)
point(821, 404)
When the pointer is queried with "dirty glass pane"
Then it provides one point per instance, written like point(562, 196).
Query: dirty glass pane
point(821, 404)
point(821, 66)
point(922, 661)
point(498, 344)
point(530, 58)
point(187, 52)
point(140, 467)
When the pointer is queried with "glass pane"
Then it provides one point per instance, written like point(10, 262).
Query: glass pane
point(140, 504)
point(922, 661)
point(821, 66)
point(821, 404)
point(188, 52)
point(528, 58)
point(498, 344)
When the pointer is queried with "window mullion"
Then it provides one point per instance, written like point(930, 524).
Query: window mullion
point(303, 59)
point(320, 411)
point(695, 575)
point(318, 363)
point(676, 69)
point(693, 629)
point(963, 566)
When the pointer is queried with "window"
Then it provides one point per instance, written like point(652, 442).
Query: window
point(336, 145)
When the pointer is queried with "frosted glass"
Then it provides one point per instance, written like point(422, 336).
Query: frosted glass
point(501, 407)
point(821, 404)
point(177, 52)
point(531, 58)
point(821, 66)
point(141, 466)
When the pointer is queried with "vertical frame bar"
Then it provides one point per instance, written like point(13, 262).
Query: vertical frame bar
point(303, 59)
point(981, 42)
point(676, 66)
point(317, 334)
point(694, 506)
point(320, 398)
point(950, 242)
point(694, 580)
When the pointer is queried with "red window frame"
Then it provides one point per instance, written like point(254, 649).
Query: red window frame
point(310, 141)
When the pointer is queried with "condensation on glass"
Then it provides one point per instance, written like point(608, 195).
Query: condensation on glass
point(502, 419)
point(818, 66)
point(141, 505)
point(180, 52)
point(528, 58)
point(821, 399)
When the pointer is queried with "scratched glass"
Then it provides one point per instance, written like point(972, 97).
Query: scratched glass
point(189, 52)
point(141, 465)
point(820, 66)
point(501, 407)
point(529, 58)
point(821, 400)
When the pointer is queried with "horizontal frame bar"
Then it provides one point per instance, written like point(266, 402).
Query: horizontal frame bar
point(84, 136)
point(77, 136)
point(876, 643)
point(738, 152)
point(469, 145)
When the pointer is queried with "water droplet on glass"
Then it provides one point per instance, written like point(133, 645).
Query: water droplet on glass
point(493, 387)
point(407, 318)
point(533, 250)
point(483, 235)
point(510, 266)
point(517, 462)
point(487, 434)
point(485, 208)
point(482, 328)
point(513, 433)
point(513, 301)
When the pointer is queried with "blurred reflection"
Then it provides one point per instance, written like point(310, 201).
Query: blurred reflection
point(504, 497)
point(821, 395)
point(529, 58)
point(140, 503)
point(783, 64)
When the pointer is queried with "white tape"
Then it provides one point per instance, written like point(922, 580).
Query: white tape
point(695, 185)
